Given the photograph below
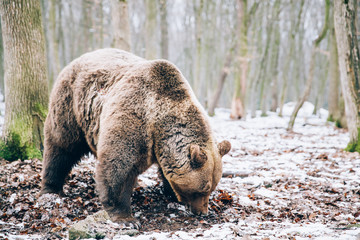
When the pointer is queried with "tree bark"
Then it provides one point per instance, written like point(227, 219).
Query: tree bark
point(334, 79)
point(274, 72)
point(310, 77)
point(349, 66)
point(321, 83)
point(238, 109)
point(198, 54)
point(120, 24)
point(164, 30)
point(72, 33)
point(2, 81)
point(260, 77)
point(86, 36)
point(294, 29)
point(99, 24)
point(272, 60)
point(238, 101)
point(224, 73)
point(150, 30)
point(53, 44)
point(26, 87)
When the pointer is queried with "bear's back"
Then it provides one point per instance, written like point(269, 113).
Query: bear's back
point(111, 77)
point(82, 87)
point(106, 58)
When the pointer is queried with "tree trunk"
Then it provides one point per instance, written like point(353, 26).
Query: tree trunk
point(242, 64)
point(334, 79)
point(208, 65)
point(223, 75)
point(198, 53)
point(150, 30)
point(323, 62)
point(274, 72)
point(63, 52)
point(100, 14)
point(244, 17)
point(260, 76)
point(310, 77)
point(164, 29)
point(53, 44)
point(120, 24)
point(349, 65)
point(72, 33)
point(2, 81)
point(85, 36)
point(306, 92)
point(294, 29)
point(272, 59)
point(26, 87)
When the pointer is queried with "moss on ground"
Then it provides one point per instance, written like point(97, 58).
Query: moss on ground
point(13, 149)
point(354, 146)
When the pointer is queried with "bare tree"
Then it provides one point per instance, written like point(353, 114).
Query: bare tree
point(295, 24)
point(120, 24)
point(86, 36)
point(349, 66)
point(99, 26)
point(198, 52)
point(272, 60)
point(53, 42)
point(334, 98)
point(260, 76)
point(26, 88)
point(242, 60)
point(224, 73)
point(2, 82)
point(273, 71)
point(164, 43)
point(151, 47)
point(310, 76)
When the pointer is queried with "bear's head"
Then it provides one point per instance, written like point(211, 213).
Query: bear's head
point(195, 186)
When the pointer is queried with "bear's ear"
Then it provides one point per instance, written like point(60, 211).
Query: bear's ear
point(224, 147)
point(197, 157)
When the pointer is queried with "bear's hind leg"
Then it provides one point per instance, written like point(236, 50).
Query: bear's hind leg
point(57, 164)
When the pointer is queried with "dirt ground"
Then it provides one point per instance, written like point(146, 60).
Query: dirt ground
point(22, 214)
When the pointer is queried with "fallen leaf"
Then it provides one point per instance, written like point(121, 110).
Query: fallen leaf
point(312, 216)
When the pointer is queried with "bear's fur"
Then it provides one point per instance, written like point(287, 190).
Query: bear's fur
point(130, 113)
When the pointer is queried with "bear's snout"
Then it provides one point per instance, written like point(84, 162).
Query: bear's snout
point(199, 205)
point(200, 212)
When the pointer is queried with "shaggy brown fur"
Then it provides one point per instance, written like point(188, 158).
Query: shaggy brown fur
point(130, 113)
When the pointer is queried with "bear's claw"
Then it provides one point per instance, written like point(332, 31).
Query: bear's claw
point(127, 222)
point(48, 190)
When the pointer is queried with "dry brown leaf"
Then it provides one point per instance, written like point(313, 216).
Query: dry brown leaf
point(312, 216)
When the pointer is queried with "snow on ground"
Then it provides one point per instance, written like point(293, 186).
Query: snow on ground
point(288, 185)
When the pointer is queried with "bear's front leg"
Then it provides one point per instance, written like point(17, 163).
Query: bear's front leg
point(122, 154)
point(115, 188)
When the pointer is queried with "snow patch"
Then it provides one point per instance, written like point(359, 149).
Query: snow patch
point(265, 193)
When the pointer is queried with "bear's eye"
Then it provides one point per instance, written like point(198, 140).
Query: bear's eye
point(205, 188)
point(198, 159)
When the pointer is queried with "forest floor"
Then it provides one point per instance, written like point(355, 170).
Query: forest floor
point(276, 185)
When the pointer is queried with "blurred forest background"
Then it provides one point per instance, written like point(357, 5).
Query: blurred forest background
point(240, 54)
point(260, 49)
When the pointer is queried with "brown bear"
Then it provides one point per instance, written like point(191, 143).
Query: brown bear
point(130, 113)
